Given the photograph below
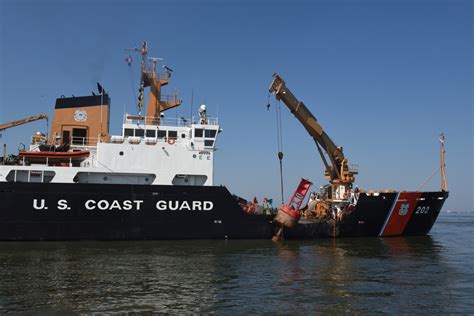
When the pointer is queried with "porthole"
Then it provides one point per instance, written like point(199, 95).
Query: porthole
point(194, 156)
point(121, 153)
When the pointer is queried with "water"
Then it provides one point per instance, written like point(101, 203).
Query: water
point(429, 274)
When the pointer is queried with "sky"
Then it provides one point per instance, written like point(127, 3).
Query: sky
point(384, 79)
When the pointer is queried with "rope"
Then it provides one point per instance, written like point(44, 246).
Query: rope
point(428, 180)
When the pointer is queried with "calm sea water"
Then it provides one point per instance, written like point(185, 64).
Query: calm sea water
point(430, 274)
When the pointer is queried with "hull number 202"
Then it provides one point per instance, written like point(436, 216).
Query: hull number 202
point(422, 210)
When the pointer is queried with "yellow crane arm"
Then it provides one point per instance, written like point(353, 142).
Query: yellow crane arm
point(23, 121)
point(338, 171)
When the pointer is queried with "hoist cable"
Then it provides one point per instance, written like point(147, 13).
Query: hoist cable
point(277, 117)
point(280, 146)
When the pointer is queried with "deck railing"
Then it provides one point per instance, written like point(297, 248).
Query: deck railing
point(169, 121)
point(169, 98)
point(77, 141)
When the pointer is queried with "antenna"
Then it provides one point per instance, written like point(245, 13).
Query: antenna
point(154, 59)
point(143, 51)
point(101, 91)
point(192, 101)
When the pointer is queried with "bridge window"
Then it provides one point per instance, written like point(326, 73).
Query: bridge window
point(210, 133)
point(128, 132)
point(139, 132)
point(208, 142)
point(173, 134)
point(150, 133)
point(161, 134)
point(198, 132)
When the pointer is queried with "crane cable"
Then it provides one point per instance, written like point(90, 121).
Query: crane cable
point(279, 142)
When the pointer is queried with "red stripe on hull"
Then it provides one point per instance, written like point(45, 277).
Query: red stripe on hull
point(401, 214)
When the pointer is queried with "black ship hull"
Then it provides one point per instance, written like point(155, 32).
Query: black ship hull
point(383, 215)
point(57, 211)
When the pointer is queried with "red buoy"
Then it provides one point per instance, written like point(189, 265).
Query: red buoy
point(289, 215)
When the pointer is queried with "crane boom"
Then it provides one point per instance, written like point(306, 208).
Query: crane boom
point(338, 171)
point(22, 121)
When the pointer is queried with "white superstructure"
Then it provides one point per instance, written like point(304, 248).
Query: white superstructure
point(150, 149)
point(175, 152)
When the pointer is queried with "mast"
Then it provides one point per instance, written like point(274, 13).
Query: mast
point(157, 102)
point(444, 183)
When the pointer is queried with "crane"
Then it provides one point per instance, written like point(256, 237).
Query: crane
point(338, 171)
point(20, 122)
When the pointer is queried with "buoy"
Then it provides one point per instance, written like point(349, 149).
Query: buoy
point(287, 216)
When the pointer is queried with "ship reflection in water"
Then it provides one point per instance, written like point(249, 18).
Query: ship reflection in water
point(392, 275)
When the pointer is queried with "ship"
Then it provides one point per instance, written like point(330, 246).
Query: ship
point(155, 180)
